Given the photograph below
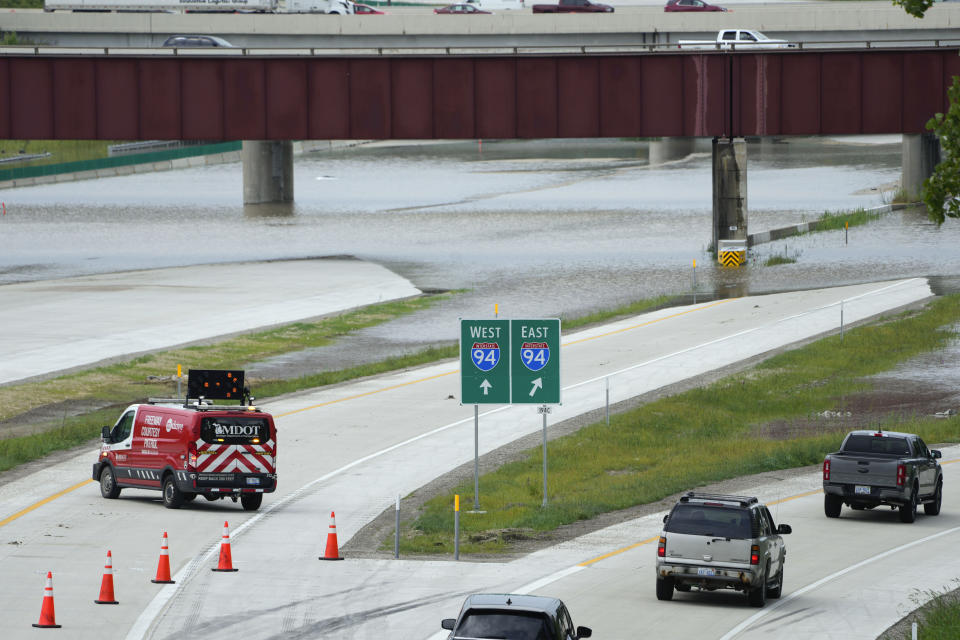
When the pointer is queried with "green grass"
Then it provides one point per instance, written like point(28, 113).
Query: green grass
point(937, 616)
point(698, 437)
point(120, 384)
point(634, 308)
point(59, 150)
point(829, 221)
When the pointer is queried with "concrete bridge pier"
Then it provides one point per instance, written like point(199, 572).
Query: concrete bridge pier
point(729, 190)
point(267, 171)
point(667, 149)
point(921, 155)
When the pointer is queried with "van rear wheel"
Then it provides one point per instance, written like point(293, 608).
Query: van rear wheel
point(251, 501)
point(108, 484)
point(172, 496)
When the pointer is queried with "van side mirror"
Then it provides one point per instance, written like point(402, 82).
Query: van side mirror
point(447, 623)
point(784, 528)
point(584, 632)
point(105, 434)
point(936, 453)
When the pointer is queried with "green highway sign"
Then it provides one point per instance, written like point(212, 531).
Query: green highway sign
point(535, 361)
point(510, 361)
point(484, 361)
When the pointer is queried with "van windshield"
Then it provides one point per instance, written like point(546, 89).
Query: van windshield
point(235, 430)
point(700, 520)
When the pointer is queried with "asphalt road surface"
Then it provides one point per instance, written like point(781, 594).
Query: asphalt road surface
point(353, 448)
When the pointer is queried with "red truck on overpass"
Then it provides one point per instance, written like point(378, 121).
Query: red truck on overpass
point(573, 6)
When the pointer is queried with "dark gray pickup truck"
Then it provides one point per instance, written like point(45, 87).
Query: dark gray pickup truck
point(875, 468)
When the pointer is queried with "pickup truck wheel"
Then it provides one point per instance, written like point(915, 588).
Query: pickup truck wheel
point(832, 505)
point(933, 508)
point(758, 595)
point(172, 496)
point(108, 483)
point(908, 512)
point(665, 589)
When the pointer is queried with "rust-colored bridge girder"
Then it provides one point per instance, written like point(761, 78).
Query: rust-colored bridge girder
point(709, 94)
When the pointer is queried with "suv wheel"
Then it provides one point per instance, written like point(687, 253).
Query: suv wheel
point(908, 512)
point(108, 483)
point(172, 496)
point(832, 505)
point(774, 592)
point(665, 589)
point(933, 508)
point(758, 596)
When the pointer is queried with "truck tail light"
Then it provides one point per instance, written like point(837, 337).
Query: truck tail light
point(826, 469)
point(755, 554)
point(901, 474)
point(662, 547)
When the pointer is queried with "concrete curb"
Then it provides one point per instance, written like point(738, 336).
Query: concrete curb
point(806, 227)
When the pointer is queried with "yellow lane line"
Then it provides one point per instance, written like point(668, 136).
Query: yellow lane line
point(587, 563)
point(24, 512)
point(650, 322)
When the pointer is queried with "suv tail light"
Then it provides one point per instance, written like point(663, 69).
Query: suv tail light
point(662, 547)
point(826, 469)
point(755, 554)
point(901, 474)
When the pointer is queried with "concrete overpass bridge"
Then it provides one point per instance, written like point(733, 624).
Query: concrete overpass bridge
point(271, 97)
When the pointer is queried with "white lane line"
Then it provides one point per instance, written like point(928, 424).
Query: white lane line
point(813, 585)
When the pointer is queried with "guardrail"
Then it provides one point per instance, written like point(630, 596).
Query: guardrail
point(340, 52)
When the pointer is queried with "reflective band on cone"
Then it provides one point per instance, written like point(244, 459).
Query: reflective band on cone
point(163, 567)
point(47, 615)
point(106, 585)
point(333, 551)
point(226, 559)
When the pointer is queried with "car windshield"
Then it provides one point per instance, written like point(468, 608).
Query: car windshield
point(703, 520)
point(513, 625)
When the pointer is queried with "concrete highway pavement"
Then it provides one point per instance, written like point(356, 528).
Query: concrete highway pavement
point(353, 448)
point(119, 314)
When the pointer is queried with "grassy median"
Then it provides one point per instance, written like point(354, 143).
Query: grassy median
point(705, 435)
point(50, 408)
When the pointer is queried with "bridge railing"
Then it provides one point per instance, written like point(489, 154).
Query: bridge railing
point(499, 51)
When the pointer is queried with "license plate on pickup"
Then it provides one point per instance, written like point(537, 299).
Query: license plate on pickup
point(706, 572)
point(861, 489)
point(253, 480)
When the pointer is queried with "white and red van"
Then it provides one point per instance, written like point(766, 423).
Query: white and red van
point(188, 450)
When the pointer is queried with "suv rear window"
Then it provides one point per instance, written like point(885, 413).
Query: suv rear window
point(702, 520)
point(231, 430)
point(876, 444)
point(516, 625)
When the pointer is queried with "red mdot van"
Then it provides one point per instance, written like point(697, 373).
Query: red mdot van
point(189, 450)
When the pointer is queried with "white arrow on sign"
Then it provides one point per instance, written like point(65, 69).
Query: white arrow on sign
point(485, 385)
point(537, 384)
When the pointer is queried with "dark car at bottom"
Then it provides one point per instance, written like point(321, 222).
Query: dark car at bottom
point(515, 617)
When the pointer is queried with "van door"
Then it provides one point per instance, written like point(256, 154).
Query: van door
point(121, 444)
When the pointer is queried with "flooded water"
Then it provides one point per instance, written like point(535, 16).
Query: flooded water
point(542, 228)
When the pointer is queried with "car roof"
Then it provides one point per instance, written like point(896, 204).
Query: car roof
point(512, 601)
point(723, 499)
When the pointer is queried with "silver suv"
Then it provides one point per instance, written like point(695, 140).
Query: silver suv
point(713, 541)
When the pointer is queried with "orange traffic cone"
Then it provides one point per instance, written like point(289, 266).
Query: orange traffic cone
point(163, 567)
point(333, 551)
point(47, 615)
point(226, 560)
point(106, 585)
